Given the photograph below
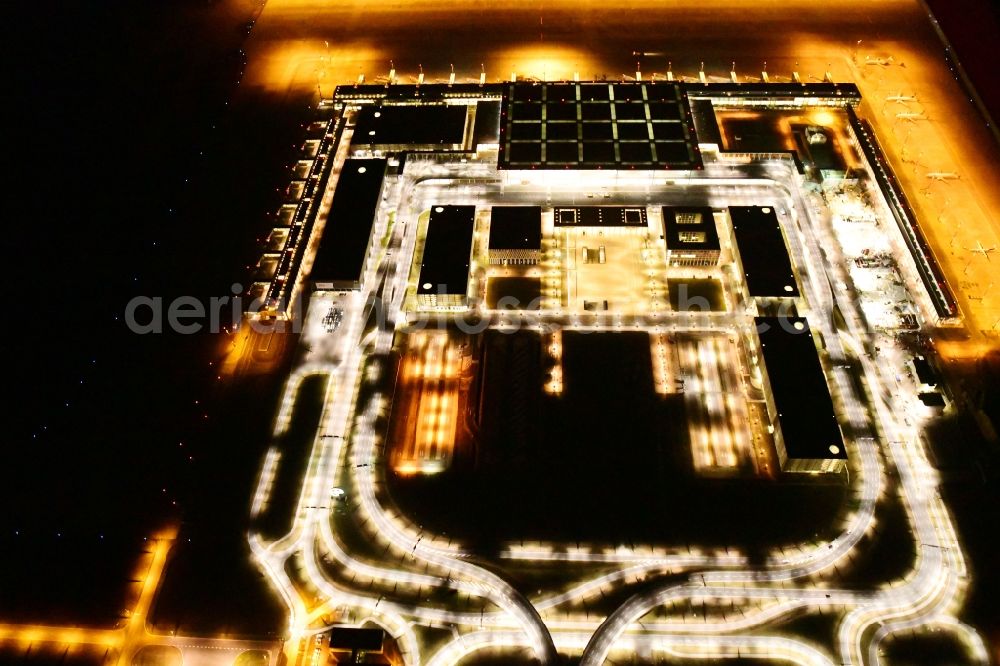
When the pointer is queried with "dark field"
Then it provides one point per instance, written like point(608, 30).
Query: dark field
point(295, 445)
point(607, 461)
point(514, 293)
point(52, 655)
point(210, 585)
point(96, 599)
point(696, 295)
point(118, 434)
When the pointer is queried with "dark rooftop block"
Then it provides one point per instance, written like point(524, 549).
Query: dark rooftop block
point(595, 91)
point(340, 259)
point(528, 92)
point(763, 253)
point(673, 152)
point(524, 153)
point(595, 111)
point(560, 92)
point(560, 111)
point(665, 110)
point(627, 91)
point(525, 111)
point(353, 638)
point(630, 111)
point(805, 410)
point(597, 131)
point(405, 125)
point(932, 399)
point(600, 216)
point(516, 228)
point(662, 92)
point(633, 132)
point(599, 153)
point(637, 153)
point(526, 131)
point(423, 93)
point(487, 126)
point(690, 228)
point(562, 132)
point(601, 118)
point(925, 373)
point(706, 125)
point(668, 131)
point(444, 266)
point(561, 152)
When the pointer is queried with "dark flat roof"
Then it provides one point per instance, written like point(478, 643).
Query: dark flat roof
point(763, 253)
point(356, 638)
point(341, 254)
point(925, 373)
point(600, 216)
point(595, 125)
point(423, 125)
point(706, 225)
point(516, 228)
point(444, 267)
point(487, 126)
point(705, 123)
point(798, 385)
point(932, 399)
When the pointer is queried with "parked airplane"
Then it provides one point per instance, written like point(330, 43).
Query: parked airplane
point(985, 251)
point(883, 62)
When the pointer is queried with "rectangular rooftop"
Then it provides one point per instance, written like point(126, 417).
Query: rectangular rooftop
point(516, 228)
point(763, 254)
point(690, 228)
point(343, 250)
point(810, 434)
point(444, 266)
point(440, 126)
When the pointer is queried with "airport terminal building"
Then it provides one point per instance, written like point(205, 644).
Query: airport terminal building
point(515, 235)
point(807, 435)
point(443, 282)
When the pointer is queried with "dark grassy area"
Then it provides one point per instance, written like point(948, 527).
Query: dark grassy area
point(887, 553)
point(970, 472)
point(52, 655)
point(295, 445)
point(120, 436)
point(924, 650)
point(607, 461)
point(49, 586)
point(511, 657)
point(691, 295)
point(514, 293)
point(816, 627)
